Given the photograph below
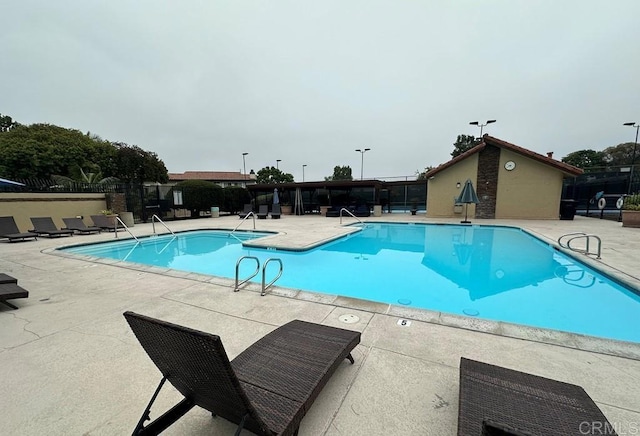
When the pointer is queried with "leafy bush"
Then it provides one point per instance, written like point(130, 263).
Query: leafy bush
point(199, 195)
point(632, 202)
point(235, 197)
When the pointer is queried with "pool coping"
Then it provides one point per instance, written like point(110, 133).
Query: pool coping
point(500, 328)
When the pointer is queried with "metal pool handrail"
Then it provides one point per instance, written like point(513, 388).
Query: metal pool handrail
point(349, 212)
point(238, 284)
point(581, 235)
point(250, 214)
point(264, 272)
point(153, 224)
point(118, 220)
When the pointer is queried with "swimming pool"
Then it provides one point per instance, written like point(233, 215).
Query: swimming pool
point(489, 272)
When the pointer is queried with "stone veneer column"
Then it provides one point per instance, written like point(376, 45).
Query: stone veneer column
point(487, 189)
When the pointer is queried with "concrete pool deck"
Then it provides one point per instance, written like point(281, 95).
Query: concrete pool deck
point(72, 365)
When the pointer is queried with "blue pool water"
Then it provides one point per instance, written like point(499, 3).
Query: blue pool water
point(496, 273)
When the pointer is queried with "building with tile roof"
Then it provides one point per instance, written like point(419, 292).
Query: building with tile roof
point(222, 178)
point(510, 181)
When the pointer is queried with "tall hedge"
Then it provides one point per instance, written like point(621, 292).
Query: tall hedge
point(199, 195)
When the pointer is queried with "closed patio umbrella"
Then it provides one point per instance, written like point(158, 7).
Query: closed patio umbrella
point(468, 195)
point(276, 199)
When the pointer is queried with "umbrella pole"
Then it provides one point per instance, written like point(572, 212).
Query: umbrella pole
point(466, 209)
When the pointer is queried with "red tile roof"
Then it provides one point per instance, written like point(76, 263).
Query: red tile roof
point(490, 140)
point(208, 175)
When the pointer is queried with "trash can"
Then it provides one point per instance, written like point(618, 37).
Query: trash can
point(377, 210)
point(567, 209)
point(215, 212)
point(127, 218)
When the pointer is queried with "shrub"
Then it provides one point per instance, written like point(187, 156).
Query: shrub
point(199, 195)
point(235, 197)
point(632, 202)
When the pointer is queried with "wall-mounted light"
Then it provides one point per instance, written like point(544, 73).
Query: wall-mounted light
point(458, 185)
point(432, 177)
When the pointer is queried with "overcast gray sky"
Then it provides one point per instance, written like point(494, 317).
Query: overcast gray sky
point(308, 82)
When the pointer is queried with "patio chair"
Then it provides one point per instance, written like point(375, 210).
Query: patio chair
point(79, 226)
point(9, 230)
point(275, 212)
point(263, 211)
point(267, 389)
point(106, 223)
point(246, 211)
point(500, 401)
point(9, 290)
point(45, 226)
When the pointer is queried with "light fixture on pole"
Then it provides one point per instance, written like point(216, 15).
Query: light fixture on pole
point(362, 152)
point(277, 163)
point(633, 156)
point(303, 171)
point(244, 166)
point(476, 123)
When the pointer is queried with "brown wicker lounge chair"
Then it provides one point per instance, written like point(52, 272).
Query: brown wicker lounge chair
point(267, 389)
point(9, 290)
point(79, 226)
point(263, 211)
point(500, 401)
point(246, 211)
point(9, 230)
point(106, 223)
point(275, 211)
point(45, 226)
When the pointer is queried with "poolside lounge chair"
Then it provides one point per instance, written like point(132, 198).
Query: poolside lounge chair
point(9, 290)
point(79, 226)
point(275, 212)
point(500, 401)
point(268, 388)
point(9, 230)
point(106, 223)
point(246, 211)
point(45, 226)
point(263, 211)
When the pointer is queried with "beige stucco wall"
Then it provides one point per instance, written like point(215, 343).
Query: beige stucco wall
point(531, 191)
point(22, 206)
point(442, 189)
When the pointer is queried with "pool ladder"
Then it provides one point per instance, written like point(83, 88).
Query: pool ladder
point(581, 235)
point(255, 273)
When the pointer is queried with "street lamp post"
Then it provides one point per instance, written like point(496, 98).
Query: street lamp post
point(303, 171)
point(277, 163)
point(244, 168)
point(362, 152)
point(633, 156)
point(476, 123)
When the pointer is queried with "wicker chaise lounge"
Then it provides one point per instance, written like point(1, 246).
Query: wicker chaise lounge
point(10, 290)
point(106, 223)
point(45, 226)
point(500, 401)
point(76, 224)
point(9, 230)
point(267, 389)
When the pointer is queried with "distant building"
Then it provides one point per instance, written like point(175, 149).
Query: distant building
point(511, 182)
point(222, 178)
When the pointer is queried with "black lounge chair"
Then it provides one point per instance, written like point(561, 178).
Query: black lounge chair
point(275, 212)
point(246, 211)
point(263, 211)
point(106, 223)
point(79, 226)
point(267, 389)
point(45, 226)
point(499, 401)
point(9, 290)
point(9, 230)
point(362, 211)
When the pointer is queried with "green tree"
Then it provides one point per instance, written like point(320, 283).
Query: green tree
point(137, 165)
point(422, 175)
point(6, 123)
point(273, 175)
point(464, 143)
point(340, 173)
point(235, 197)
point(620, 155)
point(585, 159)
point(199, 195)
